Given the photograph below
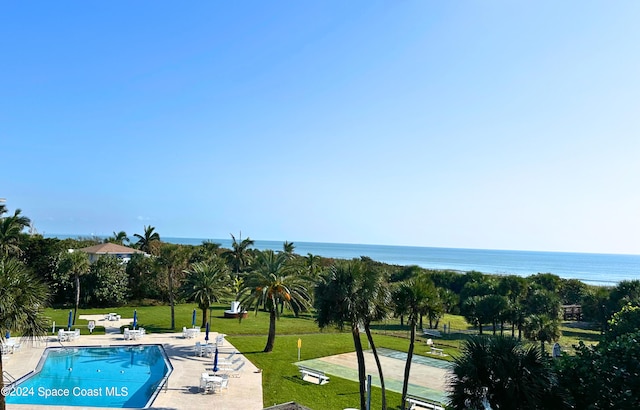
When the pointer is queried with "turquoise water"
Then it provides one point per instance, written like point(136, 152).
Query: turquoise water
point(598, 269)
point(122, 377)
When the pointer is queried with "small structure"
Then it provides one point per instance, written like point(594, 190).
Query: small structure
point(572, 312)
point(235, 311)
point(123, 253)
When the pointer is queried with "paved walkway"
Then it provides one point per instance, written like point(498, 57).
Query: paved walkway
point(244, 392)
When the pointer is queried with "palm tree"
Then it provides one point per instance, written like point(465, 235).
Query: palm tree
point(207, 282)
point(502, 373)
point(542, 328)
point(75, 264)
point(22, 299)
point(312, 263)
point(273, 281)
point(413, 298)
point(119, 238)
point(173, 260)
point(149, 241)
point(238, 256)
point(288, 248)
point(339, 301)
point(375, 307)
point(10, 229)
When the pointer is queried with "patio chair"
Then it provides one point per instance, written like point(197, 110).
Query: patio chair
point(203, 381)
point(224, 384)
point(198, 350)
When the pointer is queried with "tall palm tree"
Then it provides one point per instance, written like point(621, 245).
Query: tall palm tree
point(172, 260)
point(149, 241)
point(413, 299)
point(10, 229)
point(340, 300)
point(273, 282)
point(376, 305)
point(207, 282)
point(22, 300)
point(75, 264)
point(239, 256)
point(502, 373)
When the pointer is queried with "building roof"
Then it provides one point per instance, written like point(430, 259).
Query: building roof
point(109, 249)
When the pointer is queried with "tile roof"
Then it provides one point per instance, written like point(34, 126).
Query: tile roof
point(110, 248)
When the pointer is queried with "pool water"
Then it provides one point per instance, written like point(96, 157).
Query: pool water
point(114, 376)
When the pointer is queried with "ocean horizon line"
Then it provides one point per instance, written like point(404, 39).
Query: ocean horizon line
point(184, 240)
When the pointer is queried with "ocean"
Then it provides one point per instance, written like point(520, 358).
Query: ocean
point(594, 269)
point(591, 268)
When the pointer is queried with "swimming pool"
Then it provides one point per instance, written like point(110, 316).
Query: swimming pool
point(108, 376)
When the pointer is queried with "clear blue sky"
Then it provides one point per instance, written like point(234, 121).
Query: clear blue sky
point(485, 124)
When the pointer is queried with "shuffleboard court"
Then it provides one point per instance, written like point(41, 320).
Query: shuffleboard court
point(428, 377)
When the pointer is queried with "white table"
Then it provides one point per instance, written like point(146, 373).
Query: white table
point(192, 333)
point(209, 382)
point(67, 335)
point(133, 334)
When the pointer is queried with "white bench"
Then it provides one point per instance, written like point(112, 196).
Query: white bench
point(317, 376)
point(422, 403)
point(437, 351)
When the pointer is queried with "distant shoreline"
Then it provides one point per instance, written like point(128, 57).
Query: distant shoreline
point(590, 268)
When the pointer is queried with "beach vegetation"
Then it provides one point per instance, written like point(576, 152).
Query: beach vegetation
point(501, 372)
point(340, 299)
point(119, 238)
point(274, 284)
point(413, 298)
point(148, 241)
point(207, 283)
point(106, 283)
point(239, 256)
point(11, 228)
point(72, 266)
point(22, 300)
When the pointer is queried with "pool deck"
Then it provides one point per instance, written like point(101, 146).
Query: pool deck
point(183, 392)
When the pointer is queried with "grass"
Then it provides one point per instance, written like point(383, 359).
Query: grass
point(281, 379)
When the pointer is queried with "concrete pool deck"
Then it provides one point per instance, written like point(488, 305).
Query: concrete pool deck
point(183, 393)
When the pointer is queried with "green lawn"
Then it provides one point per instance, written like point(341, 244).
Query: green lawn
point(281, 381)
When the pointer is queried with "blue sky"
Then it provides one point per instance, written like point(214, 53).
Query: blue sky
point(493, 124)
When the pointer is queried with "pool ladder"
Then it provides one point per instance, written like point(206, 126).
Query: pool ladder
point(8, 379)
